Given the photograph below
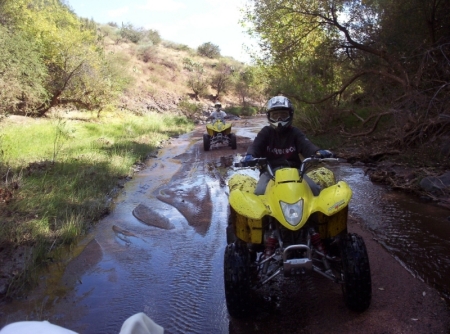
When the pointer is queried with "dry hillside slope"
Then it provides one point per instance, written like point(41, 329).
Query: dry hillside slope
point(159, 77)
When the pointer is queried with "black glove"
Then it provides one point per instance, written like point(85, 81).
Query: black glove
point(324, 154)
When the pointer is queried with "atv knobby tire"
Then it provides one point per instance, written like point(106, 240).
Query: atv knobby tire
point(357, 282)
point(237, 279)
point(233, 143)
point(206, 142)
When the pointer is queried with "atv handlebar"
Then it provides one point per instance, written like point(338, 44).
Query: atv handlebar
point(262, 162)
point(251, 163)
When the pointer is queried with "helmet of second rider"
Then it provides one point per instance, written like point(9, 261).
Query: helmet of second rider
point(280, 112)
point(218, 105)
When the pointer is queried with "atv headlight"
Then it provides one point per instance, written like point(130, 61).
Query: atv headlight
point(292, 212)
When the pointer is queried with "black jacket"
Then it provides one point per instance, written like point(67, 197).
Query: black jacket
point(281, 145)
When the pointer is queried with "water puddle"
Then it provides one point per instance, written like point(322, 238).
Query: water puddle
point(417, 235)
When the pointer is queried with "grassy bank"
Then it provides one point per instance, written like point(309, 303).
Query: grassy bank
point(59, 174)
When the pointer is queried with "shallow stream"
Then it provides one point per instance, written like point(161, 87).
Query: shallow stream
point(160, 251)
point(416, 234)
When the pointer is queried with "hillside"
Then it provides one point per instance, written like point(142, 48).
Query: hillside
point(160, 76)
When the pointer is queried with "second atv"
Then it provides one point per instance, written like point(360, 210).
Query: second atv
point(219, 134)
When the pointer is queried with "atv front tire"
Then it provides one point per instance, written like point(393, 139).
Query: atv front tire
point(206, 142)
point(357, 286)
point(237, 279)
point(233, 141)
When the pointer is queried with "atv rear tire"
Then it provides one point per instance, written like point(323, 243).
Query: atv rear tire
point(206, 142)
point(237, 279)
point(357, 286)
point(233, 141)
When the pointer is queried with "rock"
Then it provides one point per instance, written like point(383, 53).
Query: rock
point(436, 184)
point(3, 288)
point(445, 146)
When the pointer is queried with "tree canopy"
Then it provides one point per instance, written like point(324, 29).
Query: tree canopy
point(64, 60)
point(393, 55)
point(209, 50)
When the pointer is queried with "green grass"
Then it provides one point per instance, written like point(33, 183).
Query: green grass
point(61, 171)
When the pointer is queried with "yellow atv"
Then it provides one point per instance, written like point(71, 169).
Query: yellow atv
point(218, 133)
point(292, 231)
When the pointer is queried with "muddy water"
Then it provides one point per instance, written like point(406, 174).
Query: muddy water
point(417, 235)
point(160, 251)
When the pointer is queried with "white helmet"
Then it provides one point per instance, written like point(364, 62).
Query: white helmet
point(280, 103)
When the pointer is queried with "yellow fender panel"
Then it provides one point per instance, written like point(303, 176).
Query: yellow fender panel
point(287, 175)
point(322, 176)
point(218, 126)
point(242, 182)
point(333, 199)
point(248, 204)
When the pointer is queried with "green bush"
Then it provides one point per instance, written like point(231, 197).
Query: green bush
point(190, 109)
point(209, 50)
point(129, 32)
point(242, 111)
point(147, 52)
point(176, 46)
point(23, 74)
point(153, 36)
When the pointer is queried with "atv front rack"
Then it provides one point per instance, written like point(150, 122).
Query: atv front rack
point(298, 265)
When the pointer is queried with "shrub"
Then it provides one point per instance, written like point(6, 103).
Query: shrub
point(23, 74)
point(129, 32)
point(176, 46)
point(209, 50)
point(242, 111)
point(147, 52)
point(153, 36)
point(190, 109)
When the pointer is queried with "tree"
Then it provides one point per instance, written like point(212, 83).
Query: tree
point(77, 69)
point(197, 80)
point(243, 84)
point(23, 75)
point(221, 81)
point(209, 50)
point(153, 36)
point(131, 33)
point(386, 51)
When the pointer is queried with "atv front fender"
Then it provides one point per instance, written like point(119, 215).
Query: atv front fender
point(333, 199)
point(248, 204)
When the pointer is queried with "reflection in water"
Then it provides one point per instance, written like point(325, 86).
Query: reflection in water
point(417, 235)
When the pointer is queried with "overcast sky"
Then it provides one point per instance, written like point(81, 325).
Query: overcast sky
point(190, 22)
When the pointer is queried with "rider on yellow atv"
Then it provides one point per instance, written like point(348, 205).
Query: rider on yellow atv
point(281, 142)
point(218, 113)
point(218, 132)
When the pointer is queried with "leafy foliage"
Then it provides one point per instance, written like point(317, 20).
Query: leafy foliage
point(131, 33)
point(147, 52)
point(190, 109)
point(153, 36)
point(176, 46)
point(76, 69)
point(23, 74)
point(221, 81)
point(197, 80)
point(390, 54)
point(209, 50)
